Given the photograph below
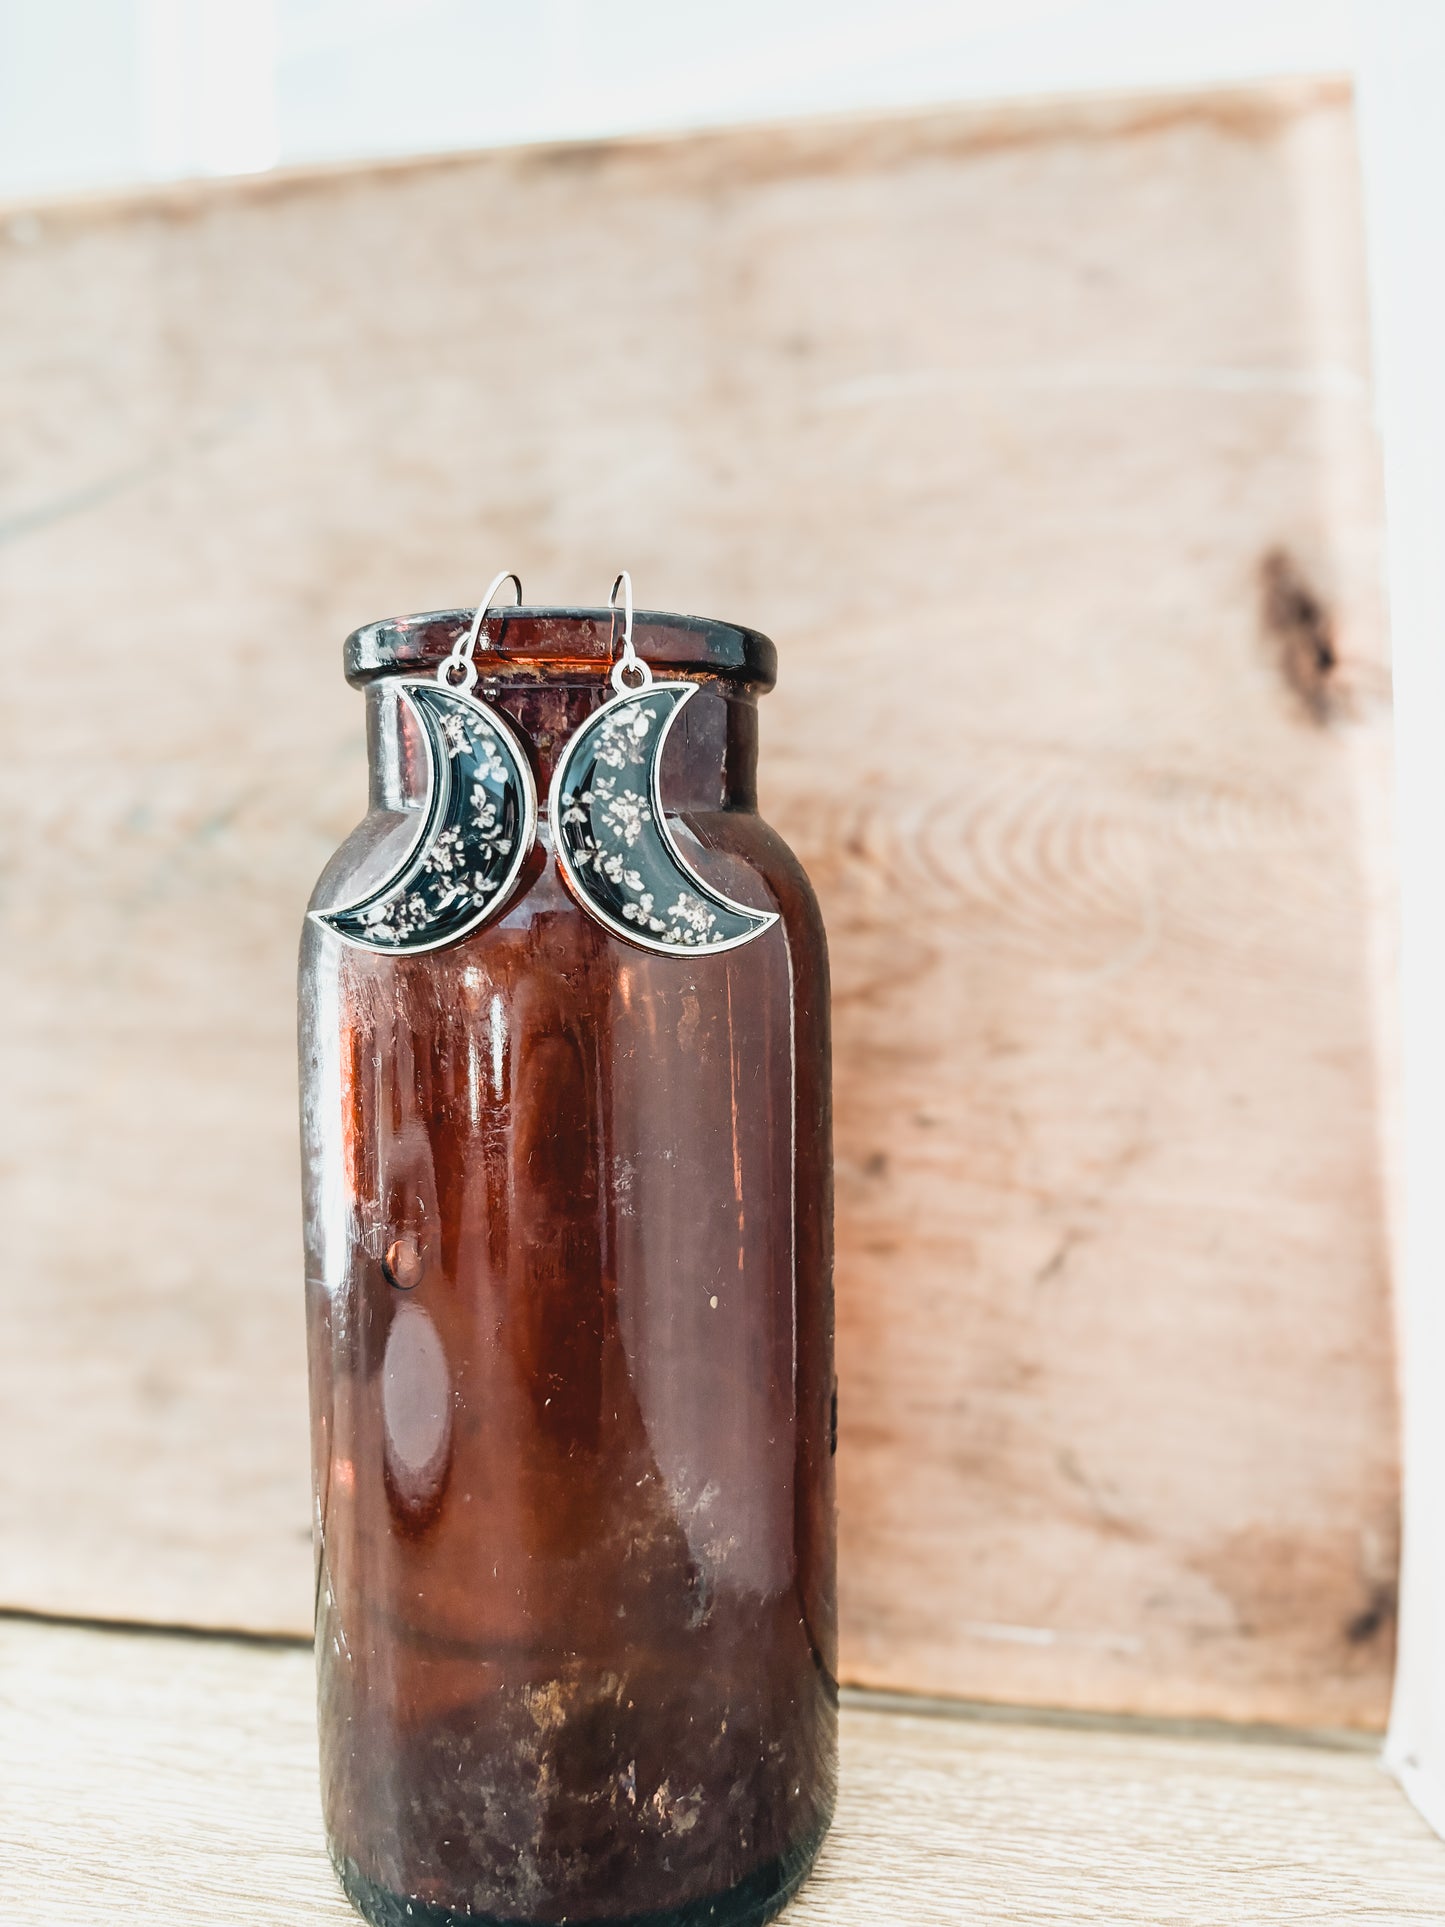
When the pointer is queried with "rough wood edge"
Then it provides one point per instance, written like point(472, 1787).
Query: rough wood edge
point(844, 141)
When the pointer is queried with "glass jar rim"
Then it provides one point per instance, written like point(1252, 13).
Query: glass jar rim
point(540, 643)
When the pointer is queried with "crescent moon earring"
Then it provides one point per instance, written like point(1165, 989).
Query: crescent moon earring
point(477, 827)
point(614, 849)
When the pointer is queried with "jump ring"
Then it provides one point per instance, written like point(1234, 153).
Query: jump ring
point(448, 677)
point(624, 670)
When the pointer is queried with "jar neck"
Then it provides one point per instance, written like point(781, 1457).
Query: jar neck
point(709, 761)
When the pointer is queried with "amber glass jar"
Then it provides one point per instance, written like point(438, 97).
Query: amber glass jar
point(569, 1223)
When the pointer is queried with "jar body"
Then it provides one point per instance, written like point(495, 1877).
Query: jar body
point(570, 1328)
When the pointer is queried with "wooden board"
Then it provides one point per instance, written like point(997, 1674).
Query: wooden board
point(1039, 439)
point(174, 1779)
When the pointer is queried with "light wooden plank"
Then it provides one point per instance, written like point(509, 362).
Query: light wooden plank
point(995, 420)
point(164, 1778)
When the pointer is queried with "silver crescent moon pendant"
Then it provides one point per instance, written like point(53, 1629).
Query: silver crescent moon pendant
point(612, 843)
point(478, 824)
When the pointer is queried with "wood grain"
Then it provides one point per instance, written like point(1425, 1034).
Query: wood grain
point(1040, 441)
point(160, 1778)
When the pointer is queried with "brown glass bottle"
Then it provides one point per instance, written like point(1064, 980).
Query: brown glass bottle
point(569, 1222)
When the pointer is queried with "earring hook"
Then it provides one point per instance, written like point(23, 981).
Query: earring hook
point(463, 653)
point(629, 664)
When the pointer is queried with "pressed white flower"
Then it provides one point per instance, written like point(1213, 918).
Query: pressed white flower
point(620, 739)
point(456, 738)
point(445, 854)
point(625, 816)
point(692, 918)
point(484, 805)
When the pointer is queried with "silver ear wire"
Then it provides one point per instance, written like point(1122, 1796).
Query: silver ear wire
point(462, 656)
point(629, 664)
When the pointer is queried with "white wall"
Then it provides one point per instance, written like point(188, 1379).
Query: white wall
point(1403, 135)
point(97, 93)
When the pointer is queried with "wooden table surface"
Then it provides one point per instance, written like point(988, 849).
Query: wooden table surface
point(164, 1777)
